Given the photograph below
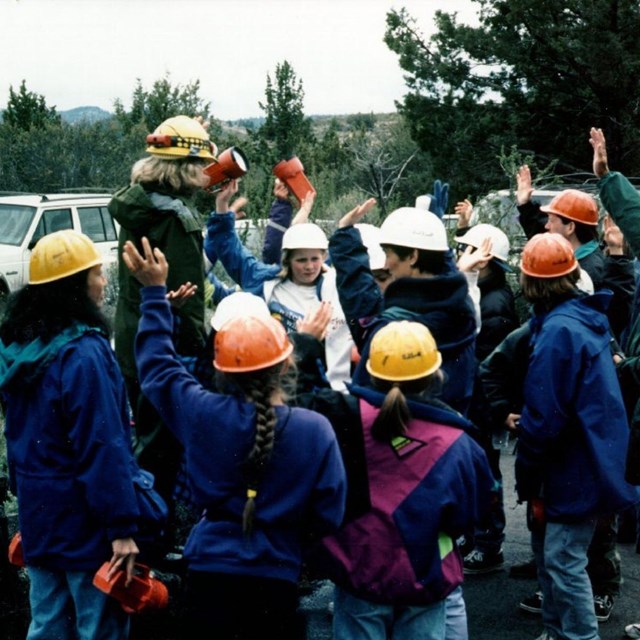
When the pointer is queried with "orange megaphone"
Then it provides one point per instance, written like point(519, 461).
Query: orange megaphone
point(15, 551)
point(143, 593)
point(231, 163)
point(291, 172)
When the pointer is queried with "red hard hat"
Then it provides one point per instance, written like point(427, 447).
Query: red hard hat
point(548, 255)
point(574, 205)
point(250, 344)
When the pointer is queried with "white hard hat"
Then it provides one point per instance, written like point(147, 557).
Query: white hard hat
point(306, 235)
point(238, 305)
point(499, 241)
point(414, 228)
point(371, 240)
point(585, 283)
point(423, 202)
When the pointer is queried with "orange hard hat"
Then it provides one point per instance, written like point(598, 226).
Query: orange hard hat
point(548, 255)
point(574, 205)
point(250, 343)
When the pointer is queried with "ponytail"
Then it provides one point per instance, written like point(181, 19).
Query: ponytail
point(394, 416)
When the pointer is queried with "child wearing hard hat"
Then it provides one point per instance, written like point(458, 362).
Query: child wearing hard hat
point(574, 214)
point(426, 287)
point(68, 441)
point(560, 458)
point(414, 474)
point(265, 474)
point(291, 289)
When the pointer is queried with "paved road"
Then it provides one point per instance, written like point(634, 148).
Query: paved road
point(492, 599)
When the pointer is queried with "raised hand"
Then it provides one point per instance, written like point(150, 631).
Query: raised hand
point(150, 269)
point(599, 144)
point(224, 196)
point(524, 188)
point(180, 295)
point(237, 205)
point(357, 213)
point(613, 237)
point(464, 210)
point(280, 190)
point(304, 212)
point(473, 259)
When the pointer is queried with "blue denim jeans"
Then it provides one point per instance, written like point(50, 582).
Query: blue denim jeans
point(455, 612)
point(561, 557)
point(66, 606)
point(358, 619)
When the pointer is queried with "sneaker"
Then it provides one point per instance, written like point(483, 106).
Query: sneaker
point(480, 562)
point(545, 635)
point(532, 604)
point(524, 570)
point(603, 606)
point(465, 546)
point(632, 630)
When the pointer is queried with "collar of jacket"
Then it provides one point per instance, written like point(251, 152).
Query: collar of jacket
point(24, 363)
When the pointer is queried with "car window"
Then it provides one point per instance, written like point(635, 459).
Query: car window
point(53, 220)
point(15, 221)
point(97, 223)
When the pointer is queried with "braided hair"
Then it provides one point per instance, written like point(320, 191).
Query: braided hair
point(258, 387)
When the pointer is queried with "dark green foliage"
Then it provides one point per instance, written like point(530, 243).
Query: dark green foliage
point(346, 158)
point(536, 74)
point(162, 102)
point(27, 110)
point(286, 130)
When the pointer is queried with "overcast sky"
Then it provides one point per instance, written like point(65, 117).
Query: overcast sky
point(89, 52)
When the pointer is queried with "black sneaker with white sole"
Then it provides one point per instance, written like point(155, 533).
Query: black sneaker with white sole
point(603, 606)
point(532, 604)
point(480, 562)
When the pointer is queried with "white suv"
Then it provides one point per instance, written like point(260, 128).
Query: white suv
point(24, 219)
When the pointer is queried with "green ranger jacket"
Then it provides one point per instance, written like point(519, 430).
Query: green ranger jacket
point(172, 224)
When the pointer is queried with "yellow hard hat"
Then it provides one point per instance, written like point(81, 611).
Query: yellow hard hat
point(62, 254)
point(403, 351)
point(181, 137)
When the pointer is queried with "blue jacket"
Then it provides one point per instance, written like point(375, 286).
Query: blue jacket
point(441, 303)
point(69, 449)
point(222, 243)
point(573, 433)
point(279, 221)
point(303, 488)
point(408, 500)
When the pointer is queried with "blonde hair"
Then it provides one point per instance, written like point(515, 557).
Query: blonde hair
point(181, 175)
point(285, 271)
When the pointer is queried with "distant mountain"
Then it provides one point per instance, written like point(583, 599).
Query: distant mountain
point(85, 114)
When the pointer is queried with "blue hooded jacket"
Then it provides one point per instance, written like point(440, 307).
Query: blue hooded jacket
point(573, 433)
point(441, 303)
point(68, 440)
